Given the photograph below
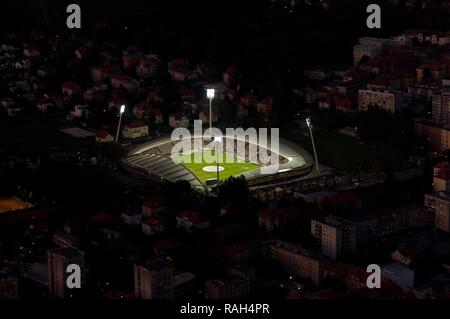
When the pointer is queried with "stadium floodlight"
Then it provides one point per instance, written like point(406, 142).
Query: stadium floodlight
point(210, 95)
point(217, 141)
point(308, 122)
point(122, 110)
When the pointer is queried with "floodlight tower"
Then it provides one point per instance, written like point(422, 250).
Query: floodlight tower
point(210, 95)
point(217, 142)
point(308, 122)
point(122, 109)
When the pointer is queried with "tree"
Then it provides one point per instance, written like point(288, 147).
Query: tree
point(111, 154)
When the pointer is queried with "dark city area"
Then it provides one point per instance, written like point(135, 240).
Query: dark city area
point(205, 151)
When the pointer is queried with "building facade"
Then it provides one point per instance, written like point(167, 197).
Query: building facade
point(439, 203)
point(58, 261)
point(334, 236)
point(389, 101)
point(153, 280)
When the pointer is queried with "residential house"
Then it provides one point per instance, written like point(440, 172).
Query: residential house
point(131, 57)
point(191, 221)
point(153, 96)
point(152, 226)
point(187, 94)
point(297, 260)
point(132, 217)
point(97, 74)
point(203, 115)
point(120, 80)
point(248, 100)
point(153, 207)
point(80, 110)
point(142, 110)
point(399, 274)
point(71, 88)
point(264, 107)
point(352, 276)
point(103, 136)
point(135, 130)
point(43, 104)
point(158, 115)
point(148, 66)
point(227, 288)
point(82, 52)
point(178, 119)
point(231, 76)
point(31, 51)
point(441, 177)
point(117, 97)
point(431, 70)
point(181, 74)
point(205, 70)
point(276, 218)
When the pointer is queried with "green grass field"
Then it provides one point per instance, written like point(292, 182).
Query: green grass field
point(344, 152)
point(237, 167)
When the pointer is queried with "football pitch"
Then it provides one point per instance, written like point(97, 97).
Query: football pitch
point(234, 166)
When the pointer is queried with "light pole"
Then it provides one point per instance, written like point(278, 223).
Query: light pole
point(122, 109)
point(210, 95)
point(217, 141)
point(308, 122)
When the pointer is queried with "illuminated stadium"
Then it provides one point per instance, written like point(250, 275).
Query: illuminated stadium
point(154, 159)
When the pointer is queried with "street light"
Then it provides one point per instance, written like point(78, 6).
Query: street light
point(217, 141)
point(210, 95)
point(122, 109)
point(308, 122)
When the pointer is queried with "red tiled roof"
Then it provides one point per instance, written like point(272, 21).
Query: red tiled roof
point(131, 212)
point(344, 198)
point(153, 203)
point(431, 65)
point(102, 218)
point(234, 250)
point(121, 77)
point(152, 221)
point(408, 251)
point(187, 93)
point(152, 95)
point(266, 100)
point(180, 70)
point(343, 102)
point(101, 133)
point(42, 100)
point(157, 112)
point(71, 85)
point(443, 174)
point(442, 165)
point(345, 270)
point(232, 71)
point(135, 124)
point(165, 245)
point(281, 215)
point(385, 215)
point(190, 215)
point(177, 115)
